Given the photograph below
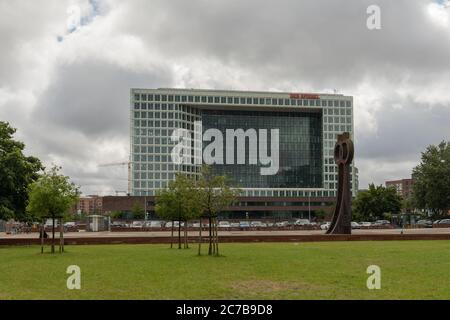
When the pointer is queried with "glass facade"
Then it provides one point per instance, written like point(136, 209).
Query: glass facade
point(300, 147)
point(308, 131)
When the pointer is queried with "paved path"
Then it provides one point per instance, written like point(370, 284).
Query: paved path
point(230, 233)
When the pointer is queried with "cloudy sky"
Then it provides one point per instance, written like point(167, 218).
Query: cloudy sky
point(65, 85)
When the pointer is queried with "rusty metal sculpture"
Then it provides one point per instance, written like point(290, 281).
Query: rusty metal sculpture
point(343, 156)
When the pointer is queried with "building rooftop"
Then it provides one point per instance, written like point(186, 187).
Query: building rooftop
point(237, 92)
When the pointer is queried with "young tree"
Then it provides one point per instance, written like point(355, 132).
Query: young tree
point(179, 201)
point(431, 189)
point(374, 203)
point(320, 214)
point(166, 207)
point(216, 194)
point(52, 196)
point(16, 173)
point(138, 211)
point(117, 214)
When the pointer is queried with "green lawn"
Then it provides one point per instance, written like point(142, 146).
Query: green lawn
point(326, 270)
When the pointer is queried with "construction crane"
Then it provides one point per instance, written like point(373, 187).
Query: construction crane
point(121, 164)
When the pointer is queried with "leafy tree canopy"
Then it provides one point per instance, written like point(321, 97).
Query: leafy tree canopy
point(138, 211)
point(180, 200)
point(52, 195)
point(376, 203)
point(431, 189)
point(216, 193)
point(16, 172)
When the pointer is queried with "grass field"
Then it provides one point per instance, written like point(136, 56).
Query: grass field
point(410, 270)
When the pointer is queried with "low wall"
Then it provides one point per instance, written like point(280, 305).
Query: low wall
point(229, 239)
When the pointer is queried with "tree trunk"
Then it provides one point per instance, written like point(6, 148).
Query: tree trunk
point(215, 236)
point(53, 235)
point(61, 237)
point(210, 236)
point(200, 239)
point(187, 235)
point(179, 234)
point(171, 237)
point(217, 239)
point(42, 237)
point(184, 236)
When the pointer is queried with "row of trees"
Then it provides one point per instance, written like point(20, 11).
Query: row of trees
point(431, 190)
point(28, 193)
point(196, 198)
point(137, 213)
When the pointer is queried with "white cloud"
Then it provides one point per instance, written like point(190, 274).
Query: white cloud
point(439, 13)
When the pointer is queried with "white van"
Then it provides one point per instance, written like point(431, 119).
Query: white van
point(49, 223)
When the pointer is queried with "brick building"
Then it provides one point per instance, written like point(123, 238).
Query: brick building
point(89, 205)
point(403, 187)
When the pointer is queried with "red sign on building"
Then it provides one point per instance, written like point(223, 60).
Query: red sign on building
point(310, 96)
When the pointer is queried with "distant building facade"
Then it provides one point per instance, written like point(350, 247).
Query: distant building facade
point(404, 187)
point(89, 205)
point(308, 126)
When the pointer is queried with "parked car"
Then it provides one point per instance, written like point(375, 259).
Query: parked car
point(118, 224)
point(224, 224)
point(444, 222)
point(425, 223)
point(49, 223)
point(70, 224)
point(282, 224)
point(366, 224)
point(435, 223)
point(356, 225)
point(258, 224)
point(302, 222)
point(244, 224)
point(176, 224)
point(154, 224)
point(382, 223)
point(137, 224)
point(234, 225)
point(325, 226)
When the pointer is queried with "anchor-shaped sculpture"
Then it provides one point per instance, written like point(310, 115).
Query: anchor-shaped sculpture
point(343, 156)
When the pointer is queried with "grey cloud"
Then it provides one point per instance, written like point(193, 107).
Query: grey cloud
point(287, 44)
point(325, 43)
point(93, 98)
point(403, 133)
